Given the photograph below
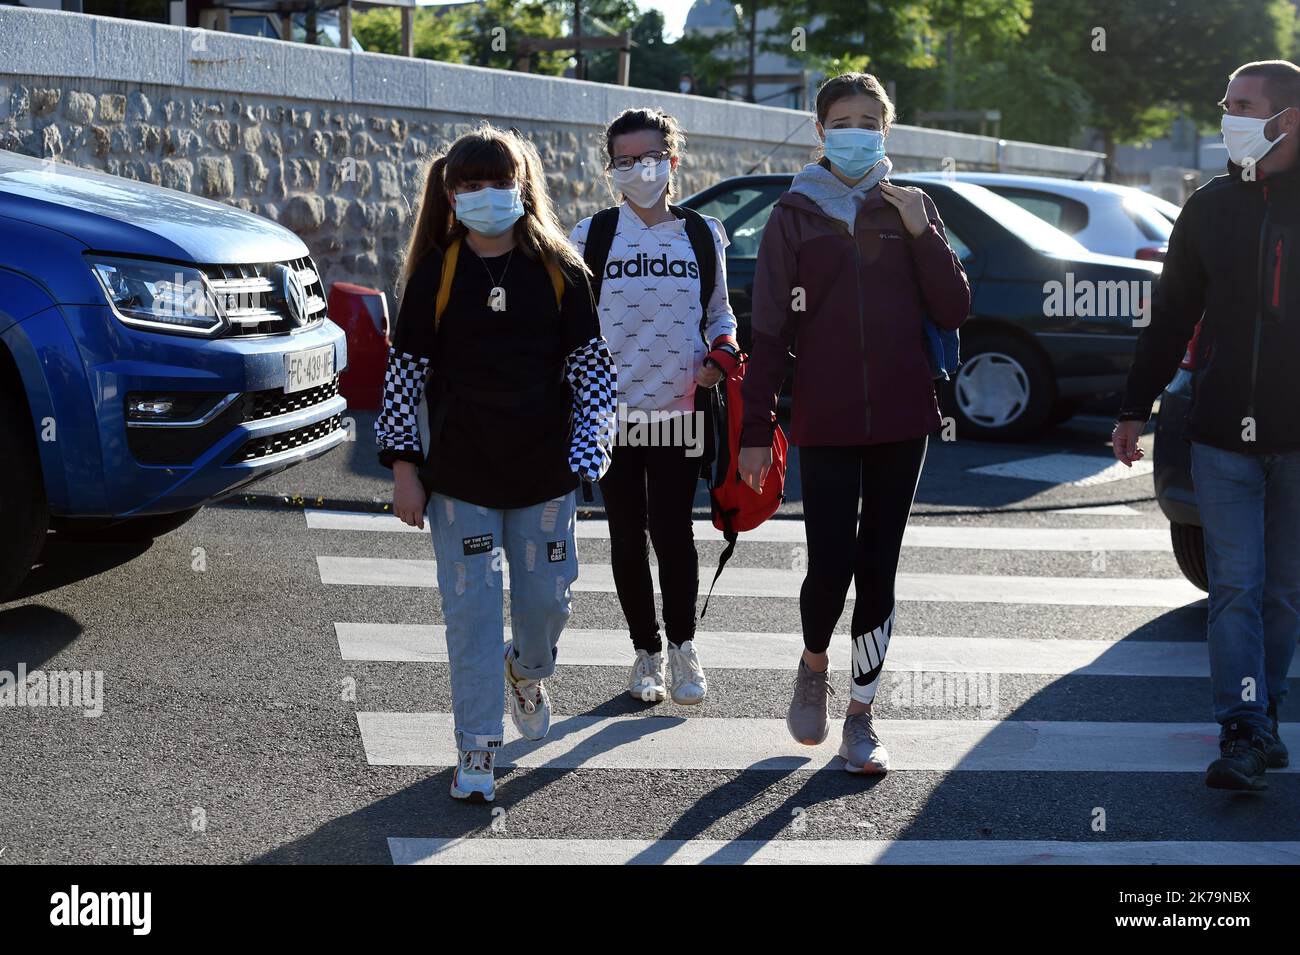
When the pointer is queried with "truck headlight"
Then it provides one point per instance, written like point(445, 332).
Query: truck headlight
point(160, 296)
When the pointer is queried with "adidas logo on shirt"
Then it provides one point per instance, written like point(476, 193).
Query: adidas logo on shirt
point(643, 264)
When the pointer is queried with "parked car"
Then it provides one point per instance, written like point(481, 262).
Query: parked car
point(1172, 469)
point(1022, 369)
point(1110, 218)
point(1105, 217)
point(1168, 209)
point(157, 352)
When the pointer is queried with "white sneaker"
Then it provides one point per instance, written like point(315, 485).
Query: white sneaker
point(530, 707)
point(689, 683)
point(647, 679)
point(472, 778)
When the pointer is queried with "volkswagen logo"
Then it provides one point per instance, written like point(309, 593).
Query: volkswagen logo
point(290, 288)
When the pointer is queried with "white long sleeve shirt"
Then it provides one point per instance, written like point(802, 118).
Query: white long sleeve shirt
point(651, 317)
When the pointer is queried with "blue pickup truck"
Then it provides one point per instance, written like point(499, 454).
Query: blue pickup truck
point(157, 352)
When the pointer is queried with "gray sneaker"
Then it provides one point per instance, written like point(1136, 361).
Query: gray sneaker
point(861, 749)
point(807, 720)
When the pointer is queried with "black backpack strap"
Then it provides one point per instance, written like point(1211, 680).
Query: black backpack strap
point(595, 252)
point(706, 255)
point(708, 405)
point(717, 451)
point(729, 535)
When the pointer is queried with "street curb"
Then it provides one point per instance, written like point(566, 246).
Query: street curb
point(301, 502)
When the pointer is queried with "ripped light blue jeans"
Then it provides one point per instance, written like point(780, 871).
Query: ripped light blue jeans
point(473, 545)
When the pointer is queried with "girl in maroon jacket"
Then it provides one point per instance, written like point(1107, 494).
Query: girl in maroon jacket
point(848, 268)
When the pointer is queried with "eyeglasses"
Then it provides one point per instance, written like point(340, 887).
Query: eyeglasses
point(624, 163)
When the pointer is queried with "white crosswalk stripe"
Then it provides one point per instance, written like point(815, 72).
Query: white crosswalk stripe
point(499, 851)
point(792, 532)
point(727, 650)
point(772, 582)
point(969, 745)
point(973, 734)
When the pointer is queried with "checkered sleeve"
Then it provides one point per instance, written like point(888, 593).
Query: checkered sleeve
point(593, 377)
point(397, 430)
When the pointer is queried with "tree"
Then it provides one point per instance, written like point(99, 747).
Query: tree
point(436, 32)
point(656, 64)
point(485, 34)
point(494, 28)
point(1140, 65)
point(734, 51)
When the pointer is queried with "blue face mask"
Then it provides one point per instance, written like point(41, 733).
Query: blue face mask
point(489, 211)
point(854, 151)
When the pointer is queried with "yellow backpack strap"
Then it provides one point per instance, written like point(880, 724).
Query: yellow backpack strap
point(557, 281)
point(444, 285)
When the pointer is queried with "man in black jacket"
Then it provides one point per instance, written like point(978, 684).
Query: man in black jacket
point(1234, 267)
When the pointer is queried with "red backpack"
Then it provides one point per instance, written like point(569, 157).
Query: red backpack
point(735, 505)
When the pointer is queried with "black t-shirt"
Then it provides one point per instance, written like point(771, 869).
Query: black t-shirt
point(500, 407)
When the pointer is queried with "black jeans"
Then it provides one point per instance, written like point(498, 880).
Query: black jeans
point(844, 546)
point(649, 492)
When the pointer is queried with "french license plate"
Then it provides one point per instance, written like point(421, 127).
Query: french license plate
point(307, 369)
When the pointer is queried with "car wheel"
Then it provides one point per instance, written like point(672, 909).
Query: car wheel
point(24, 512)
point(1003, 391)
point(125, 531)
point(1189, 550)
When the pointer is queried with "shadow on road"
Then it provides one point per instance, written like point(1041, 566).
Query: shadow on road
point(66, 562)
point(33, 634)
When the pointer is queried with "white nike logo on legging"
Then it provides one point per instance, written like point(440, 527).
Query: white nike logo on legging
point(869, 652)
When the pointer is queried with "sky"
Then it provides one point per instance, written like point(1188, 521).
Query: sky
point(674, 12)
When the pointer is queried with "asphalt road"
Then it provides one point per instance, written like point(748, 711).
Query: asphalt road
point(254, 711)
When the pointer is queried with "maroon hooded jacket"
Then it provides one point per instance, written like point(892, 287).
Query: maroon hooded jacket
point(862, 375)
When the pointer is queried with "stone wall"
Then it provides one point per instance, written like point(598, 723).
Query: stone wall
point(331, 143)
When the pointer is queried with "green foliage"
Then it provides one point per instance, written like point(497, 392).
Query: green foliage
point(437, 32)
point(494, 27)
point(1036, 61)
point(656, 64)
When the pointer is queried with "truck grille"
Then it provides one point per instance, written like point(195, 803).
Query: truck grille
point(268, 404)
point(254, 305)
point(285, 440)
point(181, 446)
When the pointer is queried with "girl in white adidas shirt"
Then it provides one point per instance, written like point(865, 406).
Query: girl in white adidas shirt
point(669, 334)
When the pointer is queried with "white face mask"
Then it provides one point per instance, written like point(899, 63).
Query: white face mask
point(642, 184)
point(1245, 139)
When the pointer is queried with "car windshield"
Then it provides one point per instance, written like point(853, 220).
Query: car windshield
point(1163, 206)
point(1142, 210)
point(1037, 234)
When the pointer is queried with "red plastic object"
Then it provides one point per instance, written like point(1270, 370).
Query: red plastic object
point(1189, 357)
point(362, 313)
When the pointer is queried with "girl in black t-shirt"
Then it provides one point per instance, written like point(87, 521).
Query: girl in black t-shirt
point(497, 332)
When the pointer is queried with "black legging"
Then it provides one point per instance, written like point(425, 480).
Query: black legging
point(652, 489)
point(844, 547)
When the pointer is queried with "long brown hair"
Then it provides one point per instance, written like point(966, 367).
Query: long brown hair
point(855, 84)
point(486, 152)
